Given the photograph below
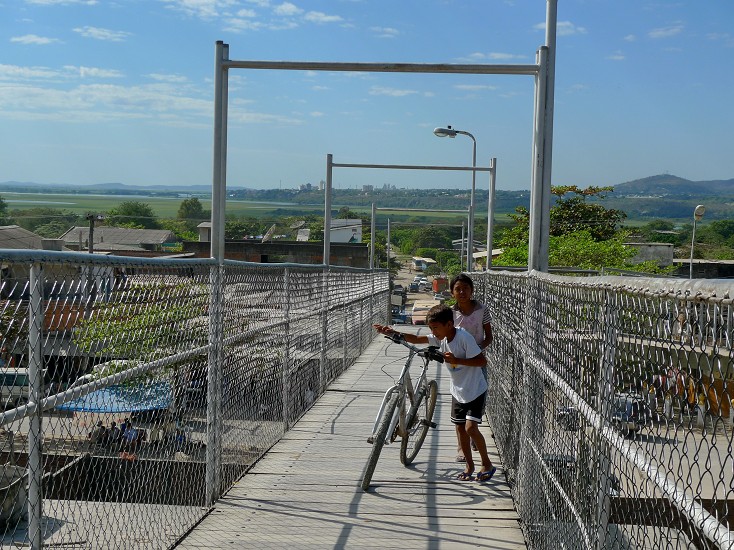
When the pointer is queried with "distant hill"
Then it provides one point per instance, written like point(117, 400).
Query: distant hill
point(667, 185)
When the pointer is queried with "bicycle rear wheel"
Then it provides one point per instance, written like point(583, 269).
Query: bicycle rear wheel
point(418, 424)
point(379, 440)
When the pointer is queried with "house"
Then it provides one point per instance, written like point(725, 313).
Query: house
point(14, 236)
point(346, 231)
point(118, 239)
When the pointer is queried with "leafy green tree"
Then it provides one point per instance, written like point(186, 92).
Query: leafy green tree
point(3, 212)
point(569, 214)
point(53, 229)
point(32, 218)
point(134, 214)
point(181, 229)
point(192, 213)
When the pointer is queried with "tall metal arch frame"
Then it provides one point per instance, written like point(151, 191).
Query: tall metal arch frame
point(543, 72)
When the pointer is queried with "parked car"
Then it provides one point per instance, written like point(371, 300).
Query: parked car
point(568, 418)
point(630, 413)
point(413, 287)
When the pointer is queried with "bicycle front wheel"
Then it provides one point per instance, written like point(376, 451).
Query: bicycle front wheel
point(379, 440)
point(418, 423)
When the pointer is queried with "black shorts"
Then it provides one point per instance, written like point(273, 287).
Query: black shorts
point(473, 410)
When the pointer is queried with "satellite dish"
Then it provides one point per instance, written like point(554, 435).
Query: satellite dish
point(269, 233)
point(298, 224)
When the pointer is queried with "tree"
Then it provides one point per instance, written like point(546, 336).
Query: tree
point(33, 218)
point(192, 210)
point(569, 215)
point(134, 214)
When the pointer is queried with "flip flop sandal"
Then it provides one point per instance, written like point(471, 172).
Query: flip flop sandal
point(465, 476)
point(486, 476)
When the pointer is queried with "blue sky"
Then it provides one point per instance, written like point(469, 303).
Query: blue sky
point(96, 91)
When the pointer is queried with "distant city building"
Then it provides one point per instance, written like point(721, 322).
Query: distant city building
point(368, 188)
point(322, 185)
point(305, 187)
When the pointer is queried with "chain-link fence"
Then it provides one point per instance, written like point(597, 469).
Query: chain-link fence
point(611, 405)
point(137, 391)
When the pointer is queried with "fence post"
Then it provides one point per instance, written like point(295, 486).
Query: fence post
point(605, 396)
point(287, 351)
point(35, 374)
point(213, 393)
point(324, 321)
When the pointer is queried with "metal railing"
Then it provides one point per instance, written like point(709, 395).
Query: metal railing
point(611, 405)
point(137, 391)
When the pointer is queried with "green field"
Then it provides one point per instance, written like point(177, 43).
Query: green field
point(164, 207)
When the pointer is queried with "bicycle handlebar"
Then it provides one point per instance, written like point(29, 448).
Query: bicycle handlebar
point(430, 352)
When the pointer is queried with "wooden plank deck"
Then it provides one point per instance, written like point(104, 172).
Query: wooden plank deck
point(304, 493)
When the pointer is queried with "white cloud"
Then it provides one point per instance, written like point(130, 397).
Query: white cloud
point(61, 2)
point(474, 87)
point(320, 89)
point(563, 28)
point(616, 56)
point(205, 9)
point(66, 73)
point(385, 32)
point(630, 38)
point(168, 77)
point(246, 13)
point(319, 17)
point(33, 39)
point(238, 24)
point(666, 32)
point(393, 92)
point(14, 72)
point(494, 56)
point(723, 37)
point(286, 9)
point(92, 72)
point(102, 34)
point(317, 114)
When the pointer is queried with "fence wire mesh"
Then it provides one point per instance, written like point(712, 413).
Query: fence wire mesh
point(136, 392)
point(611, 405)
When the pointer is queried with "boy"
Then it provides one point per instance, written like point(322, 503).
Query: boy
point(468, 385)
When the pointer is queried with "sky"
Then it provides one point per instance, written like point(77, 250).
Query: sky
point(95, 91)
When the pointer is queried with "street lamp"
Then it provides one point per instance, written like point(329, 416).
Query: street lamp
point(450, 132)
point(698, 213)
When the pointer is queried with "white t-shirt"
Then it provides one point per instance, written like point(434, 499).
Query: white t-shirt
point(467, 383)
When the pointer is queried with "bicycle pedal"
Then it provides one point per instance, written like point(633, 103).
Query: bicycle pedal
point(371, 439)
point(429, 424)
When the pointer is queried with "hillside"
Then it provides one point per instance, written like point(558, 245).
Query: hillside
point(667, 185)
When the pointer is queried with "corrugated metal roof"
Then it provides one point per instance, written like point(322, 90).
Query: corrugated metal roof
point(118, 236)
point(14, 236)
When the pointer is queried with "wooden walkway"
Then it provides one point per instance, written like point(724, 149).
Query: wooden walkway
point(304, 493)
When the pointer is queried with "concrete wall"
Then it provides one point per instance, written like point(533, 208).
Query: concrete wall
point(343, 254)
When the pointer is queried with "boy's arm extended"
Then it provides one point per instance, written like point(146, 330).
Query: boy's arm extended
point(410, 338)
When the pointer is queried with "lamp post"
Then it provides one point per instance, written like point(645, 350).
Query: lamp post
point(490, 210)
point(450, 132)
point(698, 213)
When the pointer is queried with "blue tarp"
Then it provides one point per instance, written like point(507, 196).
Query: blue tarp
point(123, 399)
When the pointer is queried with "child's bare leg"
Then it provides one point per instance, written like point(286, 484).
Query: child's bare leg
point(472, 431)
point(464, 446)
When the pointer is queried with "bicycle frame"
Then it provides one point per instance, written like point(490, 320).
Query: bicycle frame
point(403, 385)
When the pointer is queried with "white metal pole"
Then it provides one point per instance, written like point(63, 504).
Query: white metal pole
point(327, 210)
point(387, 244)
point(35, 374)
point(470, 250)
point(693, 240)
point(372, 238)
point(490, 210)
point(538, 243)
point(461, 255)
point(548, 110)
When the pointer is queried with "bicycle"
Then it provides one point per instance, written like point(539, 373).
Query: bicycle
point(406, 410)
